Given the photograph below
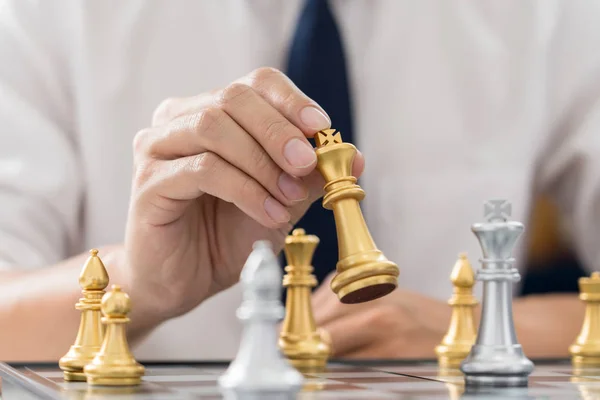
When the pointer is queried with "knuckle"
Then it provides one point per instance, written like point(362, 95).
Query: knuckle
point(165, 111)
point(204, 164)
point(380, 317)
point(249, 189)
point(260, 159)
point(275, 129)
point(207, 122)
point(143, 172)
point(264, 74)
point(233, 92)
point(141, 141)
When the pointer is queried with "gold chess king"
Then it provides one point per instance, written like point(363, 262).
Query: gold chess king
point(363, 272)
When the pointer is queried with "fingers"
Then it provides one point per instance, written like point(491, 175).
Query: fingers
point(258, 126)
point(267, 106)
point(279, 91)
point(212, 130)
point(167, 186)
point(282, 140)
point(274, 86)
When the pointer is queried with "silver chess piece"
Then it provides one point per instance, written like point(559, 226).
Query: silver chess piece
point(259, 370)
point(497, 358)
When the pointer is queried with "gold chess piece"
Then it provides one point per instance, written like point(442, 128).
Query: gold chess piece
point(302, 343)
point(461, 335)
point(363, 272)
point(585, 352)
point(114, 365)
point(93, 280)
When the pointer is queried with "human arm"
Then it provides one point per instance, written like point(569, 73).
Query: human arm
point(37, 307)
point(547, 324)
point(408, 325)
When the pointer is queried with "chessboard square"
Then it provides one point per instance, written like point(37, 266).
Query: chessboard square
point(49, 373)
point(411, 386)
point(174, 371)
point(418, 370)
point(347, 395)
point(550, 372)
point(205, 391)
point(353, 374)
point(347, 368)
point(72, 385)
point(330, 385)
point(587, 385)
point(316, 382)
point(180, 378)
point(385, 379)
point(183, 384)
point(545, 378)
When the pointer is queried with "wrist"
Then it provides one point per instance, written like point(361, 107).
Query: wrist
point(144, 316)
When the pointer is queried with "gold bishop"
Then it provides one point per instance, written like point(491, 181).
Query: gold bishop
point(461, 334)
point(93, 280)
point(302, 343)
point(585, 352)
point(363, 272)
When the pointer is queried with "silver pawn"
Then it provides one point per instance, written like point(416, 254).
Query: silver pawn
point(259, 370)
point(497, 358)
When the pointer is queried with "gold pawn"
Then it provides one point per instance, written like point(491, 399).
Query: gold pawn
point(363, 272)
point(461, 335)
point(93, 280)
point(114, 365)
point(585, 352)
point(305, 346)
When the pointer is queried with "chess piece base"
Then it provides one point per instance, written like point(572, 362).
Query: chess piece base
point(114, 381)
point(305, 365)
point(496, 366)
point(367, 290)
point(497, 381)
point(451, 356)
point(451, 361)
point(114, 375)
point(364, 277)
point(231, 394)
point(74, 376)
point(75, 360)
point(583, 361)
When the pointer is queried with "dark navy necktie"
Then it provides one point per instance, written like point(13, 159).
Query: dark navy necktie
point(317, 65)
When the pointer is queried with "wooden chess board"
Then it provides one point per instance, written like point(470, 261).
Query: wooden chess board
point(369, 380)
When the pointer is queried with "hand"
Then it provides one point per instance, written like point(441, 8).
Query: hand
point(402, 324)
point(213, 174)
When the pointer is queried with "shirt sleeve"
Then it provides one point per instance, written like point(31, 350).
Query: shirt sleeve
point(40, 179)
point(569, 167)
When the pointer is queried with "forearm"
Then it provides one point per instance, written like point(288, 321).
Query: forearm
point(38, 318)
point(547, 325)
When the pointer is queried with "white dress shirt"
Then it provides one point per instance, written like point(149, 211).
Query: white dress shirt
point(455, 103)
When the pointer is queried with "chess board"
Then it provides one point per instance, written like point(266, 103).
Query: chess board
point(366, 380)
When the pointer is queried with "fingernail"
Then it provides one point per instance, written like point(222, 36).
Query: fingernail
point(292, 188)
point(299, 153)
point(276, 211)
point(314, 118)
